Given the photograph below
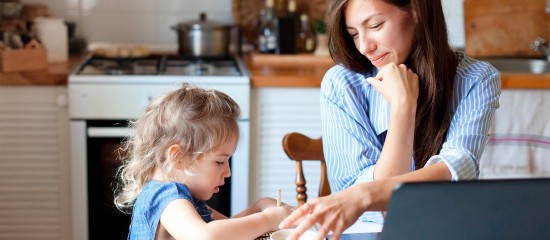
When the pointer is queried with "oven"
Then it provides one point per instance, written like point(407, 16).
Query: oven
point(104, 94)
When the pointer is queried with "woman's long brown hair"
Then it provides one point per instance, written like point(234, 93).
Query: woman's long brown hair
point(431, 58)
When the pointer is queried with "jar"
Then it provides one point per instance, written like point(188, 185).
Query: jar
point(52, 33)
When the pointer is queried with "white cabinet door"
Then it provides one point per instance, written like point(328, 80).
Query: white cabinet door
point(277, 111)
point(34, 166)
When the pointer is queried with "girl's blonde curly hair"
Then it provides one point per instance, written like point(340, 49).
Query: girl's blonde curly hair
point(199, 120)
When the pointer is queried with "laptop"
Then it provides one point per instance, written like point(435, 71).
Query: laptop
point(503, 209)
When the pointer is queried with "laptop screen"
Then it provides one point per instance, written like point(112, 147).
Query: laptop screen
point(483, 209)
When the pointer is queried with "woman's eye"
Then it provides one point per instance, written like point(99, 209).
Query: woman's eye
point(220, 163)
point(353, 35)
point(377, 25)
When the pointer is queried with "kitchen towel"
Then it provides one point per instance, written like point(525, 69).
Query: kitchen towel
point(519, 145)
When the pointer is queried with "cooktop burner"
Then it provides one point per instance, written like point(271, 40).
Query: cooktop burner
point(200, 67)
point(160, 65)
point(109, 66)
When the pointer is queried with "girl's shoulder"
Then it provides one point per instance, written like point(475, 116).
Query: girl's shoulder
point(156, 190)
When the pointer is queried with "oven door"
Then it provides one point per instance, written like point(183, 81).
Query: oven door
point(95, 160)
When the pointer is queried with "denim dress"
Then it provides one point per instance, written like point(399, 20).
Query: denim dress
point(152, 201)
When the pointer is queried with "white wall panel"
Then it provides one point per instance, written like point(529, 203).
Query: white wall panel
point(279, 111)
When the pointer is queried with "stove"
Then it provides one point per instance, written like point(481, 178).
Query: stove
point(104, 93)
point(161, 65)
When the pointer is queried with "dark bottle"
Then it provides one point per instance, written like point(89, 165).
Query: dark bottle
point(280, 8)
point(287, 29)
point(306, 40)
point(267, 35)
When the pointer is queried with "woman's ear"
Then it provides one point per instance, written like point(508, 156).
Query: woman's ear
point(173, 155)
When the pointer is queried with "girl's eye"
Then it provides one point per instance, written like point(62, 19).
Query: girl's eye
point(353, 35)
point(220, 163)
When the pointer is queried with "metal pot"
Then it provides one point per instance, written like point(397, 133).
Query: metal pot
point(203, 38)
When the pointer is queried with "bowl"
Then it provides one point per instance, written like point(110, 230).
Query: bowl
point(519, 65)
point(284, 233)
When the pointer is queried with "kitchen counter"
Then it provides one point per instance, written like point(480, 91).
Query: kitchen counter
point(56, 74)
point(306, 70)
point(266, 70)
point(300, 70)
point(525, 81)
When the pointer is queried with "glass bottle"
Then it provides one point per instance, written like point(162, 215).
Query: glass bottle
point(306, 41)
point(267, 35)
point(287, 27)
point(281, 8)
point(291, 10)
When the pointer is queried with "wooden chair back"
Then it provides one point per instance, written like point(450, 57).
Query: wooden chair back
point(299, 148)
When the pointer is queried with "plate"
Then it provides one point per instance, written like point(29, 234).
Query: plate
point(122, 52)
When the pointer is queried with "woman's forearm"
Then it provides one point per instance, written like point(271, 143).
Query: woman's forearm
point(377, 194)
point(396, 156)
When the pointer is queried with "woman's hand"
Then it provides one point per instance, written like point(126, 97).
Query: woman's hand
point(398, 85)
point(334, 213)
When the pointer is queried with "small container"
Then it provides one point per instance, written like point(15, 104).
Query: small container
point(52, 32)
point(10, 10)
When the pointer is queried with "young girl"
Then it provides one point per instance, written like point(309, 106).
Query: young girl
point(177, 158)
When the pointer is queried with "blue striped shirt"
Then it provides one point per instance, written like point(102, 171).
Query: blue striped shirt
point(355, 120)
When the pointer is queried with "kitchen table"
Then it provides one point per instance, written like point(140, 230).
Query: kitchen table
point(361, 236)
point(359, 230)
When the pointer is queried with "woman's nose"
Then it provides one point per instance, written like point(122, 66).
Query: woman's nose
point(365, 44)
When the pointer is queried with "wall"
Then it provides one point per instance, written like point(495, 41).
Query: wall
point(454, 15)
point(134, 21)
point(149, 21)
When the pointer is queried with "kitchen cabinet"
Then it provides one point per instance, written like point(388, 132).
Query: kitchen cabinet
point(275, 112)
point(34, 163)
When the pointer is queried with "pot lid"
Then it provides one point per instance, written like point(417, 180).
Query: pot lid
point(201, 24)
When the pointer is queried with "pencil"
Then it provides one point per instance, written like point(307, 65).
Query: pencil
point(278, 197)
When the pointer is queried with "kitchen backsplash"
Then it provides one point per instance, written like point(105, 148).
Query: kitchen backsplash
point(149, 21)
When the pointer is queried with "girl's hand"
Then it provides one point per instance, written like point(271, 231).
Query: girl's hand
point(398, 85)
point(276, 214)
point(334, 213)
point(258, 206)
point(266, 202)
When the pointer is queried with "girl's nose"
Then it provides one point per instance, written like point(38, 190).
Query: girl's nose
point(227, 172)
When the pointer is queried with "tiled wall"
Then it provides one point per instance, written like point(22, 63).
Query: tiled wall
point(149, 21)
point(454, 15)
point(134, 21)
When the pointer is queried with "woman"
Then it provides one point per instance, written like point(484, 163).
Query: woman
point(400, 106)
